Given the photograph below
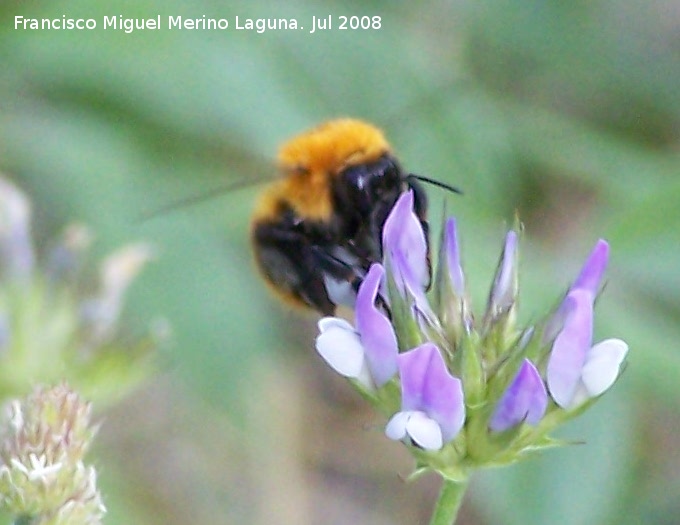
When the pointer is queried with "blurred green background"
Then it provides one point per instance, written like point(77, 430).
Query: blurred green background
point(565, 112)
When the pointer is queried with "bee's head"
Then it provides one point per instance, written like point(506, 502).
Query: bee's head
point(365, 186)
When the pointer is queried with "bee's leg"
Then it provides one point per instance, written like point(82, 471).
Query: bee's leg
point(355, 279)
point(295, 266)
point(342, 277)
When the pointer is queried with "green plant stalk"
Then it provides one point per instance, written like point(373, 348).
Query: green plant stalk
point(449, 501)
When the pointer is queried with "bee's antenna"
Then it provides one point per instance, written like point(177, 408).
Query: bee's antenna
point(434, 182)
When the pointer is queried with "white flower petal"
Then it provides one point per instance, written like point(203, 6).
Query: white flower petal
point(341, 349)
point(19, 466)
point(424, 431)
point(602, 365)
point(326, 323)
point(396, 427)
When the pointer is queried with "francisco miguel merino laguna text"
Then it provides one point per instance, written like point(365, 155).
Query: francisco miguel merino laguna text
point(129, 25)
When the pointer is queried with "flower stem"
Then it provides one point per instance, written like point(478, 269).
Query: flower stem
point(448, 504)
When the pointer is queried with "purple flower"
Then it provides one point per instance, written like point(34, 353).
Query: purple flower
point(405, 246)
point(450, 298)
point(588, 280)
point(525, 400)
point(504, 289)
point(452, 254)
point(405, 255)
point(576, 370)
point(593, 269)
point(432, 405)
point(369, 353)
point(377, 334)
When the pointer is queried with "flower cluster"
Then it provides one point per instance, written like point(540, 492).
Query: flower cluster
point(43, 479)
point(463, 393)
point(54, 325)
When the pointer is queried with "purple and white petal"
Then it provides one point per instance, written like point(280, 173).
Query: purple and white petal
point(410, 286)
point(403, 233)
point(569, 349)
point(593, 269)
point(504, 289)
point(525, 400)
point(588, 280)
point(538, 396)
point(375, 330)
point(428, 386)
point(413, 367)
point(442, 396)
point(455, 270)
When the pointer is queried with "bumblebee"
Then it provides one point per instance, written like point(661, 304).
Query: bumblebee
point(316, 231)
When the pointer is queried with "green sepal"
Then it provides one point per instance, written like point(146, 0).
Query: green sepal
point(447, 461)
point(467, 364)
point(388, 398)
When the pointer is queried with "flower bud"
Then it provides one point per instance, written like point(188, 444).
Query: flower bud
point(450, 295)
point(42, 474)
